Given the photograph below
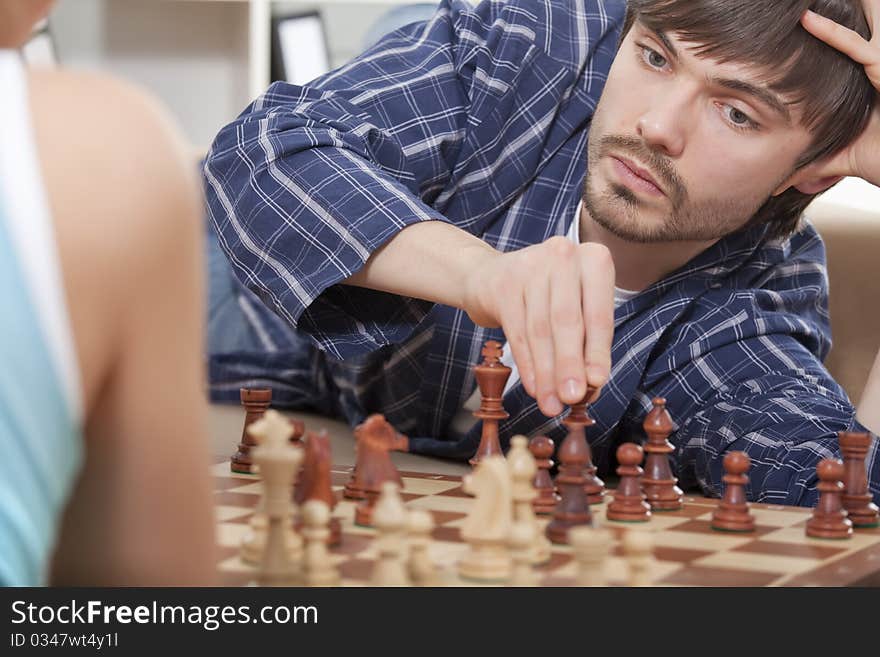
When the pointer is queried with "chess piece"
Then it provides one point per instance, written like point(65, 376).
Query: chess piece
point(315, 481)
point(278, 463)
point(522, 541)
point(421, 568)
point(829, 517)
point(318, 567)
point(390, 519)
point(629, 503)
point(638, 549)
point(732, 513)
point(376, 440)
point(254, 542)
point(299, 430)
point(255, 402)
point(542, 448)
point(857, 500)
point(491, 376)
point(579, 420)
point(522, 467)
point(486, 529)
point(658, 484)
point(374, 429)
point(573, 508)
point(591, 547)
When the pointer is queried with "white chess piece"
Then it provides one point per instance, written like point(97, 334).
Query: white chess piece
point(390, 520)
point(638, 547)
point(253, 543)
point(318, 566)
point(523, 467)
point(279, 463)
point(522, 542)
point(422, 571)
point(591, 547)
point(487, 527)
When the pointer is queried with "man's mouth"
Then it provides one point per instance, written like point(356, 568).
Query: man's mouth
point(636, 177)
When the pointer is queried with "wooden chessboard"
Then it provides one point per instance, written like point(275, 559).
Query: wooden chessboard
point(688, 552)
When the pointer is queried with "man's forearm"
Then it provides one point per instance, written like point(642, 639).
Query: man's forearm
point(429, 260)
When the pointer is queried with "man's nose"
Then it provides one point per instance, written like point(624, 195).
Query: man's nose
point(662, 125)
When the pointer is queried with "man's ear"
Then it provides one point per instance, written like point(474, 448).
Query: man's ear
point(814, 178)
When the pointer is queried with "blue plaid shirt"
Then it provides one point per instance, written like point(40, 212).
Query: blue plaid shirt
point(479, 118)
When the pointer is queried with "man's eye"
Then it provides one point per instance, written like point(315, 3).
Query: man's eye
point(738, 117)
point(653, 57)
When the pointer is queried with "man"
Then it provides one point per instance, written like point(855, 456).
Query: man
point(441, 190)
point(104, 482)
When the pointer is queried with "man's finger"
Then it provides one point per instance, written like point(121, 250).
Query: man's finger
point(847, 41)
point(567, 324)
point(540, 339)
point(598, 308)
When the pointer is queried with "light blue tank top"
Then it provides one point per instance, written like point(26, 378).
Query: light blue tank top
point(40, 427)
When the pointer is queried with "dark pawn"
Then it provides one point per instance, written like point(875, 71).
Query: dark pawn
point(541, 448)
point(629, 502)
point(491, 376)
point(314, 481)
point(829, 517)
point(856, 499)
point(573, 509)
point(732, 513)
point(658, 484)
point(255, 402)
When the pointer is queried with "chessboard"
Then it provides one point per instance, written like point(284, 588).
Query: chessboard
point(687, 551)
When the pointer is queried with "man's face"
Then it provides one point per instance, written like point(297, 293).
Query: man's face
point(713, 137)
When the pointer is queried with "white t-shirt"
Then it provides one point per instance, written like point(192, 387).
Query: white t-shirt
point(464, 419)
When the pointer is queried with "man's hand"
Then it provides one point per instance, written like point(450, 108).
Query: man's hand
point(862, 157)
point(555, 302)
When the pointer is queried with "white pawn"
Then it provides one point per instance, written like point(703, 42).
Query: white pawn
point(421, 568)
point(522, 467)
point(522, 540)
point(318, 566)
point(390, 520)
point(638, 547)
point(591, 547)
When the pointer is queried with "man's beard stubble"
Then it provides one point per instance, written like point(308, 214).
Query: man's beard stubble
point(619, 211)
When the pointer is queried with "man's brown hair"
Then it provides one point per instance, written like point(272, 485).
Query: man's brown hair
point(831, 91)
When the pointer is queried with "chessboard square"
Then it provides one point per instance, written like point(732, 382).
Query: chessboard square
point(439, 503)
point(656, 523)
point(711, 541)
point(797, 535)
point(752, 561)
point(228, 483)
point(234, 564)
point(357, 569)
point(449, 518)
point(254, 488)
point(427, 486)
point(457, 491)
point(704, 526)
point(223, 513)
point(695, 575)
point(232, 498)
point(775, 516)
point(806, 551)
point(617, 571)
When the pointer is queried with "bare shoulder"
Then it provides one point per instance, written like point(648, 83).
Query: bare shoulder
point(113, 162)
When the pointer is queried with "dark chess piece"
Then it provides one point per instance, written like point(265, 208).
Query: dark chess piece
point(857, 500)
point(396, 442)
point(578, 420)
point(546, 500)
point(255, 402)
point(829, 517)
point(658, 484)
point(573, 508)
point(629, 503)
point(299, 430)
point(491, 376)
point(315, 481)
point(377, 440)
point(732, 513)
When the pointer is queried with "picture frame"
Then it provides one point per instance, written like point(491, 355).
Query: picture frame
point(299, 47)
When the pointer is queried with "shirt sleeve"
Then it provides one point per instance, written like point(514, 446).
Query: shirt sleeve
point(786, 421)
point(310, 180)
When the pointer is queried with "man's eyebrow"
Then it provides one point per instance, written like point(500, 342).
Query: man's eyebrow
point(762, 94)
